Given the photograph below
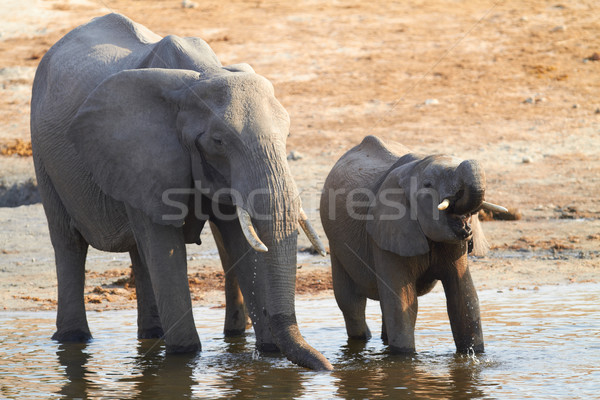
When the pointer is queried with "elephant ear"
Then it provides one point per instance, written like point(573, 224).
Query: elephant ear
point(391, 223)
point(125, 133)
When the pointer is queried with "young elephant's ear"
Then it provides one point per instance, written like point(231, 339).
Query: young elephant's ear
point(125, 133)
point(391, 223)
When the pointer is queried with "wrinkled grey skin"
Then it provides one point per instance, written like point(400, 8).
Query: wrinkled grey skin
point(119, 118)
point(380, 253)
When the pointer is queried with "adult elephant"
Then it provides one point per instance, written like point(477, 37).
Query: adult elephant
point(137, 141)
point(397, 223)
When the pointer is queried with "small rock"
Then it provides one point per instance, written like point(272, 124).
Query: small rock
point(526, 160)
point(559, 28)
point(294, 155)
point(188, 4)
point(431, 102)
point(594, 57)
point(597, 111)
point(575, 105)
point(534, 100)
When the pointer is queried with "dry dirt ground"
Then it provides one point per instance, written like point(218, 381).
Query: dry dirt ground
point(512, 84)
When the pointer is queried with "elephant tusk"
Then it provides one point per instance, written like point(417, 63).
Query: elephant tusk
point(444, 204)
point(311, 233)
point(493, 207)
point(249, 232)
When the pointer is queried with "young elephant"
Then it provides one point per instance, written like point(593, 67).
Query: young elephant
point(397, 223)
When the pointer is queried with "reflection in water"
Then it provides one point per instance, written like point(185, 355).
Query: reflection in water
point(410, 376)
point(153, 373)
point(158, 373)
point(73, 357)
point(553, 329)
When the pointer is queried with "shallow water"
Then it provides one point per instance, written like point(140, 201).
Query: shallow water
point(539, 344)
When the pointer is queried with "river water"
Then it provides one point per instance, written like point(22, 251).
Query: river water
point(540, 343)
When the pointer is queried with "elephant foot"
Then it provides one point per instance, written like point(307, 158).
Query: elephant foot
point(267, 348)
point(181, 349)
point(401, 350)
point(358, 330)
point(479, 348)
point(76, 336)
point(384, 337)
point(362, 337)
point(152, 333)
point(234, 332)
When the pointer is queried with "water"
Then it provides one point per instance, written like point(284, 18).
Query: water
point(540, 344)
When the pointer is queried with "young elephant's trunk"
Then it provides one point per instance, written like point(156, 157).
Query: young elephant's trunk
point(472, 187)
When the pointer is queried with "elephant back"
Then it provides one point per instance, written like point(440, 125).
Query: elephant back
point(364, 164)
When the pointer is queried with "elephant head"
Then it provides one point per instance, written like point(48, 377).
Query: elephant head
point(148, 136)
point(433, 198)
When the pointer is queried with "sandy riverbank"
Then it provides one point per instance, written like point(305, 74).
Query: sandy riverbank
point(515, 86)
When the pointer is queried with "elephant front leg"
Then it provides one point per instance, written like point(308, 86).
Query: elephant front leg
point(149, 326)
point(243, 264)
point(398, 301)
point(235, 309)
point(399, 308)
point(463, 308)
point(163, 251)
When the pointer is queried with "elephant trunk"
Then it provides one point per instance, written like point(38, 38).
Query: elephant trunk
point(281, 283)
point(472, 187)
point(275, 212)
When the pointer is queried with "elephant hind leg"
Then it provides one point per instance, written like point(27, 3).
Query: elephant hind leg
point(149, 326)
point(71, 321)
point(70, 250)
point(349, 301)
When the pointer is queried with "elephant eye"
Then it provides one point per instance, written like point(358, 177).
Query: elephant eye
point(218, 141)
point(427, 184)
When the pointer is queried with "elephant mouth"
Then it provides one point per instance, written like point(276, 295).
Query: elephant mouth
point(461, 225)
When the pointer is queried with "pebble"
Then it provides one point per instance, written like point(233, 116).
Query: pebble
point(526, 160)
point(534, 100)
point(294, 155)
point(431, 102)
point(189, 4)
point(559, 28)
point(575, 105)
point(597, 111)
